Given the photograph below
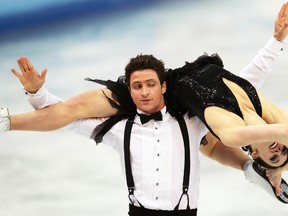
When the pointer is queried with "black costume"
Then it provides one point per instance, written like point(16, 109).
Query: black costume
point(191, 88)
point(199, 84)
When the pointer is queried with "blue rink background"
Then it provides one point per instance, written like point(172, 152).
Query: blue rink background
point(62, 173)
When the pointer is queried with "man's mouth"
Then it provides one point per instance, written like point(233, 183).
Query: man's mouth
point(145, 100)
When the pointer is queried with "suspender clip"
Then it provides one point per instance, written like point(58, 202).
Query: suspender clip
point(131, 190)
point(185, 189)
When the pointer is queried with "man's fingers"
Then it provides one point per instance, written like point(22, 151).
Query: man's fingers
point(20, 65)
point(285, 9)
point(43, 74)
point(28, 63)
point(282, 15)
point(15, 73)
point(282, 11)
point(24, 64)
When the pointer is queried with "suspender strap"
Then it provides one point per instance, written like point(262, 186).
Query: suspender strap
point(127, 158)
point(186, 176)
point(184, 131)
point(127, 135)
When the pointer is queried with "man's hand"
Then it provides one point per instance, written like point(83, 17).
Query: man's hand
point(281, 24)
point(29, 78)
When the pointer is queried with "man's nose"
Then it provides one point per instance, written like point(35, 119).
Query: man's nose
point(145, 91)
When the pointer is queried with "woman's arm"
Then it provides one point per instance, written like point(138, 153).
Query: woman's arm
point(239, 136)
point(233, 131)
point(223, 154)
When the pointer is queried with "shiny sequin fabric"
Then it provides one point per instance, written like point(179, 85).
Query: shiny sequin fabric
point(191, 88)
point(198, 86)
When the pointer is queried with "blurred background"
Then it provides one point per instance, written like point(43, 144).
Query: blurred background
point(62, 173)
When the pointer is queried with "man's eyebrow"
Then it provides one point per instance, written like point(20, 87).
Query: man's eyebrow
point(136, 82)
point(145, 81)
point(148, 80)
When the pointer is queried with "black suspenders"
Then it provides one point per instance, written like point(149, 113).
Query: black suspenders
point(129, 177)
point(127, 158)
point(186, 177)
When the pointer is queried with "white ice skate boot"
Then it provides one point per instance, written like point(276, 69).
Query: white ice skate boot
point(256, 174)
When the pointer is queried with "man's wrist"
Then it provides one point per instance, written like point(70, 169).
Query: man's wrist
point(37, 93)
point(275, 46)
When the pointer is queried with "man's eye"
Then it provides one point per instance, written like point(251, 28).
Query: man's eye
point(137, 87)
point(152, 84)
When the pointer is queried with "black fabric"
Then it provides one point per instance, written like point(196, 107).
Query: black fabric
point(186, 177)
point(174, 75)
point(126, 107)
point(120, 93)
point(191, 88)
point(146, 118)
point(127, 158)
point(140, 211)
point(199, 84)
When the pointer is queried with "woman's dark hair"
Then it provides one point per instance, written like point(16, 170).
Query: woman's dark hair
point(258, 160)
point(142, 62)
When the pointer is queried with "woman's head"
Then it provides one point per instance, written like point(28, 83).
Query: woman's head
point(268, 155)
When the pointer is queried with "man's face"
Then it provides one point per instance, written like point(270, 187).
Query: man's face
point(146, 91)
point(274, 154)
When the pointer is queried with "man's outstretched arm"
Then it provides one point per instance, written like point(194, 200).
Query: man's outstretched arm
point(92, 103)
point(264, 63)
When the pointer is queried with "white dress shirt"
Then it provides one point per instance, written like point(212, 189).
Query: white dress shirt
point(157, 159)
point(157, 150)
point(263, 63)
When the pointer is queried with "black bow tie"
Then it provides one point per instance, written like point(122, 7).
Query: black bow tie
point(146, 118)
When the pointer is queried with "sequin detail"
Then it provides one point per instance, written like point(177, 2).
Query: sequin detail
point(198, 89)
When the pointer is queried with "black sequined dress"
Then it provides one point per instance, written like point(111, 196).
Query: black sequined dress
point(191, 88)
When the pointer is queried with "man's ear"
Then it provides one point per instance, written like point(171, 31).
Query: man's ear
point(164, 87)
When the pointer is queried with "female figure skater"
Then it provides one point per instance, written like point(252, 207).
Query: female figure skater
point(230, 107)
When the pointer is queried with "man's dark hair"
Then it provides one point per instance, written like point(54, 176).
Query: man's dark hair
point(142, 62)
